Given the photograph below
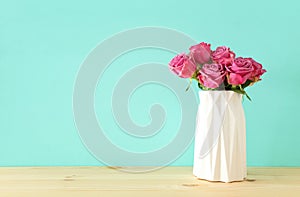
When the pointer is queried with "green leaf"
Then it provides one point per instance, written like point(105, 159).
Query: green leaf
point(187, 88)
point(200, 86)
point(244, 92)
point(248, 97)
point(239, 89)
point(247, 83)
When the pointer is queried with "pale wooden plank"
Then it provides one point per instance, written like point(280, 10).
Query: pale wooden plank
point(169, 181)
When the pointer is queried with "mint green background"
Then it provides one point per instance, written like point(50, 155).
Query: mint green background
point(42, 45)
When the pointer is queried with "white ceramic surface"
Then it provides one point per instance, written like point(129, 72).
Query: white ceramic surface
point(220, 138)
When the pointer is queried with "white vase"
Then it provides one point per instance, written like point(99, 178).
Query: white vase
point(220, 138)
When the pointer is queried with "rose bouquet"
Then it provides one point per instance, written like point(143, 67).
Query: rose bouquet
point(217, 70)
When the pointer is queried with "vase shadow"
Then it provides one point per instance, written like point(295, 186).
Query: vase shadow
point(244, 180)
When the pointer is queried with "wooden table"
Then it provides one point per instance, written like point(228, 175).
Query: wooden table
point(169, 181)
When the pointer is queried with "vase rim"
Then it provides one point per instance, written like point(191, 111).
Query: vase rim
point(217, 92)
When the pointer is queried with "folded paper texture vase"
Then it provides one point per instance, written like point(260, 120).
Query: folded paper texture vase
point(220, 137)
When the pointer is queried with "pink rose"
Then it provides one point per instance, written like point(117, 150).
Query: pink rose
point(240, 70)
point(182, 66)
point(258, 70)
point(223, 55)
point(201, 52)
point(212, 75)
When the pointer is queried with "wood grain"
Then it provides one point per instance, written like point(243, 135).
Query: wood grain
point(168, 181)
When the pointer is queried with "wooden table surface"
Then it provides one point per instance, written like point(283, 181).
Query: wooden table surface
point(168, 181)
